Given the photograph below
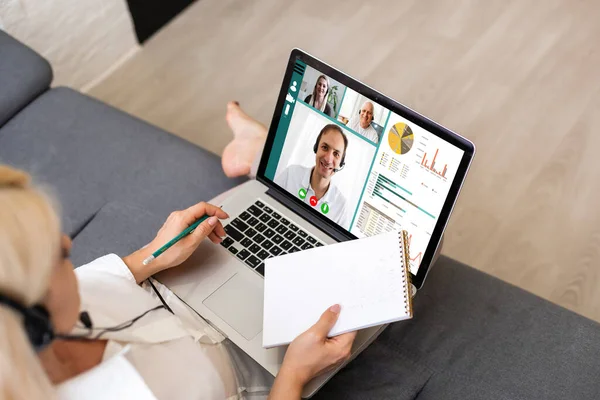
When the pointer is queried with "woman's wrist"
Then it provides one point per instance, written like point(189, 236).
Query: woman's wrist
point(135, 263)
point(288, 385)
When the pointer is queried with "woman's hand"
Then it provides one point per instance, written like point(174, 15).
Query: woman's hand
point(176, 222)
point(311, 354)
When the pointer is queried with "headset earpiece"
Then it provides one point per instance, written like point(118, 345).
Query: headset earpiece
point(36, 322)
point(39, 327)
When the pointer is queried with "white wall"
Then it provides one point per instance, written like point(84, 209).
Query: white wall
point(82, 39)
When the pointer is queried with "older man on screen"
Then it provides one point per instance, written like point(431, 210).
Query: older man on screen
point(362, 124)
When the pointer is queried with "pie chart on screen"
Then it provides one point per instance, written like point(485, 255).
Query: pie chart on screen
point(401, 138)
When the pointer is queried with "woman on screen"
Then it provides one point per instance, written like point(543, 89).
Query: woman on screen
point(318, 98)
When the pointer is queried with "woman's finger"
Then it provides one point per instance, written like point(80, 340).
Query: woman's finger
point(204, 229)
point(219, 230)
point(327, 321)
point(345, 338)
point(196, 211)
point(214, 238)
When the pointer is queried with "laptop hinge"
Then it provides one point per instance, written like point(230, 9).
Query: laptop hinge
point(324, 227)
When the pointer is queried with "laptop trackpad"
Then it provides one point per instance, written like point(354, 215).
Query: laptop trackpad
point(239, 302)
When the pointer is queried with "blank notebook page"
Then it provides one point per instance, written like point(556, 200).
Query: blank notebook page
point(367, 277)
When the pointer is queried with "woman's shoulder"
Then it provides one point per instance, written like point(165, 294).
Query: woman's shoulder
point(307, 99)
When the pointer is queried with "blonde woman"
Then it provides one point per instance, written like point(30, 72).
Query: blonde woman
point(318, 98)
point(136, 347)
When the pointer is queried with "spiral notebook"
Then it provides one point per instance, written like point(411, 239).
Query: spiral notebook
point(368, 277)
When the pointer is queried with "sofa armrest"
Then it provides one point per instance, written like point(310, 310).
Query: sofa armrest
point(24, 75)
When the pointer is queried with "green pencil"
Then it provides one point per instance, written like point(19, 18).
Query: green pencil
point(176, 239)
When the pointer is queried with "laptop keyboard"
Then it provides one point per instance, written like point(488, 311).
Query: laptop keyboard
point(260, 232)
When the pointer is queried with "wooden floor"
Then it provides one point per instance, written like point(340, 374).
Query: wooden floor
point(519, 78)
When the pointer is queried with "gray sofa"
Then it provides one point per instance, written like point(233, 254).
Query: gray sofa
point(117, 178)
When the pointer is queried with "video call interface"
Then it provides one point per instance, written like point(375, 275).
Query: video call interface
point(364, 167)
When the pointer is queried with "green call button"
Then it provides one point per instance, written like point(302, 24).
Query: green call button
point(302, 193)
point(324, 208)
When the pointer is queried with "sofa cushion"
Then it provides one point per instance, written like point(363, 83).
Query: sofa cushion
point(117, 228)
point(92, 154)
point(482, 339)
point(23, 76)
point(369, 377)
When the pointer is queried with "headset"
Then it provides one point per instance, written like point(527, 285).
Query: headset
point(338, 129)
point(372, 114)
point(40, 331)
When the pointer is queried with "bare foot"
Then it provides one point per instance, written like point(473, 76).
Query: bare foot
point(249, 136)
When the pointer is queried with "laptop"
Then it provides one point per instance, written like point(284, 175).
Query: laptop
point(341, 161)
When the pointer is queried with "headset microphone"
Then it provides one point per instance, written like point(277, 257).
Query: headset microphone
point(85, 319)
point(339, 169)
point(40, 331)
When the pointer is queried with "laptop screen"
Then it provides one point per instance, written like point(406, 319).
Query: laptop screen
point(362, 166)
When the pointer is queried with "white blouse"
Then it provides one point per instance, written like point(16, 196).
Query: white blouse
point(163, 356)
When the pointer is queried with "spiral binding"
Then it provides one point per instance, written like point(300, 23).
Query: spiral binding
point(405, 255)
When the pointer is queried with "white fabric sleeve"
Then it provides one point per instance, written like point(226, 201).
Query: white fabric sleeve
point(110, 264)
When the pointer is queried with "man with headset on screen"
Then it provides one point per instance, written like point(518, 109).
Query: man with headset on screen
point(313, 184)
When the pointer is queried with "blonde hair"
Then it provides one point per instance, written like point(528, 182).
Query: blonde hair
point(29, 250)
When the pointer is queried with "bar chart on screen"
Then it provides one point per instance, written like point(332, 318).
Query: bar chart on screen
point(393, 193)
point(430, 165)
point(436, 158)
point(417, 248)
point(409, 181)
